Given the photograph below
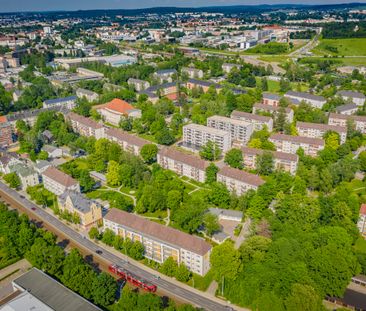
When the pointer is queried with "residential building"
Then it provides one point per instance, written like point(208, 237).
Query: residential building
point(89, 211)
point(165, 75)
point(274, 111)
point(316, 130)
point(347, 109)
point(53, 152)
point(313, 100)
point(192, 73)
point(352, 97)
point(281, 160)
point(290, 144)
point(239, 130)
point(90, 96)
point(182, 163)
point(6, 161)
point(66, 102)
point(227, 67)
point(85, 126)
point(271, 99)
point(58, 182)
point(163, 89)
point(27, 175)
point(152, 97)
point(226, 214)
point(6, 133)
point(41, 165)
point(341, 120)
point(203, 85)
point(36, 290)
point(138, 85)
point(195, 136)
point(259, 122)
point(127, 142)
point(361, 224)
point(161, 242)
point(238, 181)
point(117, 109)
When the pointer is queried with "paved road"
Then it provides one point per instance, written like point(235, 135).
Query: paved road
point(192, 296)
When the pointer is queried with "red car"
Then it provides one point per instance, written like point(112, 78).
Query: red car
point(33, 208)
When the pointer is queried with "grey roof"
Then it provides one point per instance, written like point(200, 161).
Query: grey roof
point(47, 134)
point(154, 88)
point(59, 100)
point(49, 148)
point(52, 293)
point(305, 95)
point(79, 202)
point(33, 113)
point(41, 164)
point(22, 169)
point(85, 91)
point(225, 212)
point(238, 91)
point(271, 96)
point(351, 94)
point(204, 83)
point(133, 80)
point(165, 71)
point(346, 107)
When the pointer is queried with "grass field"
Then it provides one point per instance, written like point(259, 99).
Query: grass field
point(274, 86)
point(360, 245)
point(346, 47)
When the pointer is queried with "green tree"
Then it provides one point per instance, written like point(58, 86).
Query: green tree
point(331, 140)
point(362, 159)
point(211, 172)
point(265, 163)
point(108, 237)
point(182, 273)
point(165, 137)
point(104, 289)
point(148, 153)
point(93, 233)
point(169, 267)
point(210, 151)
point(12, 180)
point(264, 84)
point(211, 223)
point(43, 155)
point(113, 174)
point(234, 158)
point(303, 298)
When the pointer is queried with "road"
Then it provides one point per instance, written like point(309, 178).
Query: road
point(192, 296)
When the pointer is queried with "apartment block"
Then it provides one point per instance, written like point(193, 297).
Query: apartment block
point(352, 97)
point(271, 99)
point(239, 130)
point(274, 110)
point(138, 85)
point(196, 136)
point(227, 67)
point(126, 141)
point(6, 132)
point(341, 120)
point(165, 75)
point(66, 102)
point(85, 126)
point(310, 99)
point(193, 73)
point(259, 122)
point(88, 95)
point(58, 182)
point(282, 161)
point(27, 175)
point(89, 211)
point(238, 181)
point(182, 163)
point(347, 109)
point(290, 144)
point(200, 84)
point(316, 130)
point(161, 242)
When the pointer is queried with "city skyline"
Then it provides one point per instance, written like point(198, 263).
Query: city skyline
point(68, 5)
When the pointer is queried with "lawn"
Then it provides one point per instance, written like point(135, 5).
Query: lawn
point(201, 282)
point(360, 245)
point(112, 197)
point(274, 86)
point(346, 47)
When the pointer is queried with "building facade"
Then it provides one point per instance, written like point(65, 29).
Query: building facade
point(274, 111)
point(259, 122)
point(126, 141)
point(356, 98)
point(58, 182)
point(316, 130)
point(341, 120)
point(313, 100)
point(361, 224)
point(85, 126)
point(271, 99)
point(66, 102)
point(161, 242)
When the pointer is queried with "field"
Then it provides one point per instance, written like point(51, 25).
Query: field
point(340, 47)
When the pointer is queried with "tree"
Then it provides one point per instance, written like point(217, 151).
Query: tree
point(174, 199)
point(265, 163)
point(211, 223)
point(303, 298)
point(104, 289)
point(234, 158)
point(108, 237)
point(12, 180)
point(93, 233)
point(136, 250)
point(165, 136)
point(148, 153)
point(284, 85)
point(362, 159)
point(211, 172)
point(113, 176)
point(169, 267)
point(331, 140)
point(264, 84)
point(182, 273)
point(225, 261)
point(43, 155)
point(210, 151)
point(86, 182)
point(126, 124)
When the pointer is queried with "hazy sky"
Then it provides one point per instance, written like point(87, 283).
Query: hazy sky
point(49, 5)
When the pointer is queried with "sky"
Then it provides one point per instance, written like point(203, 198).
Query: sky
point(51, 5)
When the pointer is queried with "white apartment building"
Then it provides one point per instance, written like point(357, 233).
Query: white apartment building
point(196, 136)
point(259, 122)
point(182, 163)
point(352, 97)
point(347, 109)
point(227, 67)
point(290, 144)
point(316, 130)
point(66, 102)
point(310, 99)
point(193, 73)
point(341, 120)
point(281, 160)
point(27, 175)
point(238, 181)
point(88, 95)
point(138, 85)
point(271, 99)
point(126, 141)
point(274, 110)
point(85, 126)
point(161, 242)
point(58, 182)
point(239, 130)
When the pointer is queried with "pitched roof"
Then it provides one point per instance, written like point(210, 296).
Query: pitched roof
point(323, 127)
point(347, 117)
point(241, 114)
point(271, 96)
point(346, 107)
point(242, 176)
point(83, 120)
point(297, 139)
point(363, 209)
point(59, 100)
point(271, 108)
point(182, 157)
point(276, 154)
point(156, 231)
point(117, 105)
point(121, 135)
point(165, 71)
point(351, 94)
point(79, 202)
point(305, 96)
point(60, 177)
point(3, 119)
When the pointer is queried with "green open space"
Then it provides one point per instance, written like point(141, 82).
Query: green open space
point(346, 47)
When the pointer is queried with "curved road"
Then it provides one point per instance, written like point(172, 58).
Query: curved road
point(192, 296)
